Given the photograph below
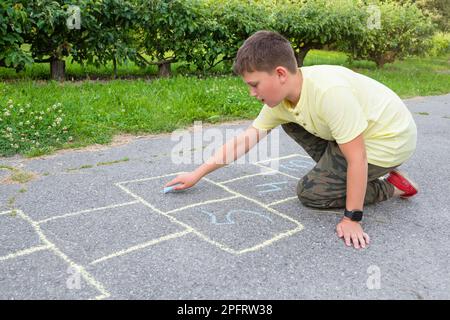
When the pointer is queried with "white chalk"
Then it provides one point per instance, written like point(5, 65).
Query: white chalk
point(170, 189)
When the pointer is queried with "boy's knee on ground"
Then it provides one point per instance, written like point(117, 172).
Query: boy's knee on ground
point(301, 191)
point(306, 193)
point(310, 195)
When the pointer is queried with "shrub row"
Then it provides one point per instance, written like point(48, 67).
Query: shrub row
point(201, 33)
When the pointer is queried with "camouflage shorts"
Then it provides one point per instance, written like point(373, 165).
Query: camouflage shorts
point(325, 186)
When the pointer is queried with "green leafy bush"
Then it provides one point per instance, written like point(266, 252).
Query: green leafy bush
point(107, 33)
point(237, 20)
point(402, 30)
point(440, 44)
point(202, 33)
point(168, 31)
point(311, 24)
point(13, 26)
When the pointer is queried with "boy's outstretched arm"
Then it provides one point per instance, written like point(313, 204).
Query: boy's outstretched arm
point(357, 166)
point(229, 152)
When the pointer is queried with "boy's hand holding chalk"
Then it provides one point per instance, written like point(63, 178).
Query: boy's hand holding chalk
point(169, 189)
point(181, 182)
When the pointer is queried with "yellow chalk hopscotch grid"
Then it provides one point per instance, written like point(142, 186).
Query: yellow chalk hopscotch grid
point(47, 245)
point(235, 195)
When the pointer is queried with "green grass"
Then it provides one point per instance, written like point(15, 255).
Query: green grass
point(94, 111)
point(415, 76)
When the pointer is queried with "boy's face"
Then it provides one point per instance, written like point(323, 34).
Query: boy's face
point(267, 88)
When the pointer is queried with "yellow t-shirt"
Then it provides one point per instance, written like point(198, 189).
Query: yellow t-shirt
point(338, 104)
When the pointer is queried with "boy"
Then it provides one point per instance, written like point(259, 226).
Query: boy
point(356, 130)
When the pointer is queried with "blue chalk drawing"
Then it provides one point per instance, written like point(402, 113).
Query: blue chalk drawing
point(273, 185)
point(229, 218)
point(296, 164)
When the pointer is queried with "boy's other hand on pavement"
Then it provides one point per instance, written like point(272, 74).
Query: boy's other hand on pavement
point(352, 231)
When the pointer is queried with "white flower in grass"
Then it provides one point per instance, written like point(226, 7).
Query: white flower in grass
point(7, 114)
point(70, 138)
point(27, 122)
point(9, 129)
point(21, 110)
point(10, 102)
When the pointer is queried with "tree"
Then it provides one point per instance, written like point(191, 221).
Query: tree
point(236, 21)
point(311, 24)
point(107, 33)
point(49, 36)
point(14, 25)
point(168, 31)
point(402, 30)
point(437, 10)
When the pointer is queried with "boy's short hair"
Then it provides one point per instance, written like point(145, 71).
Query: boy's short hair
point(264, 51)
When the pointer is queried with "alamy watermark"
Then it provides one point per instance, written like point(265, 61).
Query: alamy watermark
point(74, 280)
point(74, 19)
point(374, 19)
point(200, 145)
point(374, 280)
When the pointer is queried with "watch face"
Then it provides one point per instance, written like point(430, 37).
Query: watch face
point(354, 215)
point(357, 216)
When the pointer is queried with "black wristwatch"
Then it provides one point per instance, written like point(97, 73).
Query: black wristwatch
point(354, 215)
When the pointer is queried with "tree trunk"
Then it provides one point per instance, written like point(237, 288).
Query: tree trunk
point(383, 58)
point(300, 56)
point(57, 69)
point(115, 67)
point(380, 63)
point(164, 69)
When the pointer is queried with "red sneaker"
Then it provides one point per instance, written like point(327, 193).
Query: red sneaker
point(402, 182)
